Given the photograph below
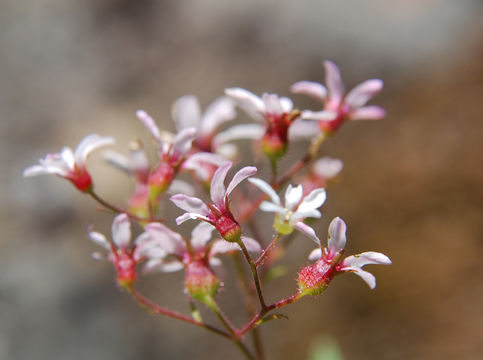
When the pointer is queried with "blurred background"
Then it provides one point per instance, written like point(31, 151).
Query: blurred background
point(411, 186)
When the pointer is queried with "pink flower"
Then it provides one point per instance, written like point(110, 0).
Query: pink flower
point(186, 113)
point(314, 278)
point(337, 107)
point(167, 251)
point(218, 212)
point(120, 250)
point(69, 164)
point(323, 170)
point(275, 116)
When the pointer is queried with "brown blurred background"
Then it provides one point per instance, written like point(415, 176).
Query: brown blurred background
point(411, 186)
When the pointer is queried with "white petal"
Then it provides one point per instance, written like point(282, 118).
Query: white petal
point(363, 92)
point(272, 104)
point(293, 195)
point(315, 254)
point(165, 238)
point(308, 231)
point(118, 160)
point(180, 186)
point(239, 132)
point(286, 103)
point(190, 216)
point(149, 123)
point(248, 101)
point(323, 115)
point(222, 246)
point(241, 175)
point(366, 276)
point(367, 113)
point(217, 188)
point(251, 244)
point(186, 112)
point(300, 215)
point(337, 236)
point(182, 142)
point(190, 204)
point(334, 82)
point(309, 88)
point(271, 207)
point(89, 144)
point(99, 239)
point(41, 170)
point(201, 235)
point(67, 156)
point(228, 151)
point(217, 113)
point(327, 167)
point(366, 258)
point(313, 200)
point(121, 231)
point(301, 129)
point(215, 261)
point(160, 266)
point(198, 163)
point(266, 188)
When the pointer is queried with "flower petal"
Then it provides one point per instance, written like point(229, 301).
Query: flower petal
point(201, 235)
point(89, 144)
point(190, 216)
point(324, 115)
point(302, 129)
point(165, 238)
point(121, 231)
point(271, 207)
point(365, 275)
point(118, 160)
point(267, 189)
point(241, 175)
point(239, 132)
point(367, 113)
point(99, 239)
point(293, 195)
point(327, 167)
point(312, 201)
point(149, 123)
point(161, 266)
point(190, 204)
point(272, 104)
point(217, 188)
point(181, 186)
point(315, 254)
point(222, 246)
point(334, 83)
point(308, 231)
point(300, 215)
point(337, 236)
point(363, 92)
point(186, 112)
point(248, 101)
point(366, 258)
point(182, 142)
point(218, 112)
point(313, 89)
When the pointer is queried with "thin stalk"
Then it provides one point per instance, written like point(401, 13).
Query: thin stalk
point(268, 248)
point(159, 310)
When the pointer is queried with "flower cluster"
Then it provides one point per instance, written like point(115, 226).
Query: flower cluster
point(190, 172)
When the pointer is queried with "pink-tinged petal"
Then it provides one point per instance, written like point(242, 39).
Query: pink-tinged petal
point(300, 215)
point(215, 261)
point(99, 239)
point(334, 83)
point(118, 160)
point(161, 266)
point(366, 258)
point(251, 244)
point(313, 201)
point(190, 204)
point(89, 144)
point(286, 104)
point(248, 101)
point(186, 112)
point(363, 92)
point(149, 123)
point(301, 130)
point(149, 250)
point(324, 115)
point(241, 175)
point(271, 207)
point(315, 90)
point(41, 170)
point(218, 112)
point(140, 164)
point(327, 167)
point(308, 231)
point(217, 188)
point(293, 195)
point(201, 235)
point(228, 151)
point(182, 142)
point(121, 231)
point(267, 189)
point(240, 132)
point(315, 254)
point(272, 104)
point(191, 216)
point(197, 163)
point(165, 238)
point(337, 236)
point(223, 246)
point(366, 276)
point(180, 186)
point(367, 113)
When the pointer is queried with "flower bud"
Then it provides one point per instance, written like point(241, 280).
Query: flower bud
point(200, 281)
point(314, 279)
point(126, 270)
point(81, 180)
point(274, 146)
point(160, 179)
point(228, 228)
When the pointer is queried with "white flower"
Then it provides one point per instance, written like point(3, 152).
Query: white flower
point(327, 167)
point(331, 255)
point(136, 164)
point(71, 164)
point(338, 107)
point(296, 208)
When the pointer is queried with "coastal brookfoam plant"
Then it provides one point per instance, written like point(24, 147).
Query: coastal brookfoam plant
point(190, 171)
